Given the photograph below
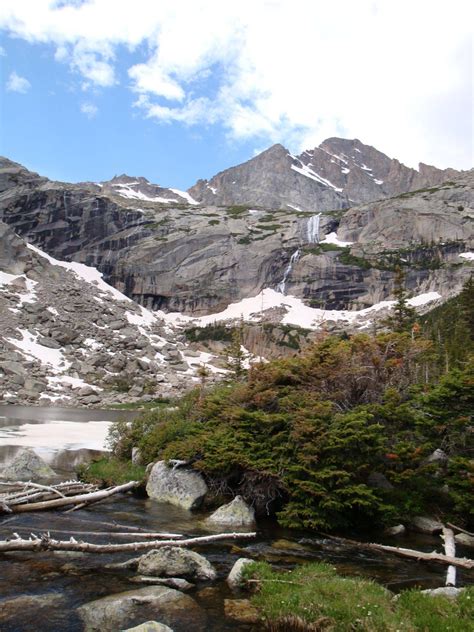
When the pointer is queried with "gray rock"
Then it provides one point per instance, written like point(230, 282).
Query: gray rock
point(174, 561)
point(16, 612)
point(149, 626)
point(173, 582)
point(379, 481)
point(426, 524)
point(126, 609)
point(177, 486)
point(445, 591)
point(438, 456)
point(234, 579)
point(398, 529)
point(236, 514)
point(26, 465)
point(136, 456)
point(465, 539)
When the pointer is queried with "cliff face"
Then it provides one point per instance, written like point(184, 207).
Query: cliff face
point(337, 174)
point(199, 258)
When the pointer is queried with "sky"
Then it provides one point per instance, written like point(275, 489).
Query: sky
point(176, 90)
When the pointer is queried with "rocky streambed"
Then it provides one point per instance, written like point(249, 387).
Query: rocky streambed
point(71, 591)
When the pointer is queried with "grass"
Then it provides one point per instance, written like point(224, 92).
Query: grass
point(314, 597)
point(110, 471)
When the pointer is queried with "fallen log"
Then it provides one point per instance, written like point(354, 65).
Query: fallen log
point(46, 543)
point(86, 498)
point(450, 551)
point(461, 562)
point(455, 528)
point(116, 534)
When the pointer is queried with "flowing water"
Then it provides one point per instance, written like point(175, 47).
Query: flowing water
point(39, 592)
point(281, 287)
point(312, 229)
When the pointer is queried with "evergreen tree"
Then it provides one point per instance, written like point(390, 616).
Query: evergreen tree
point(235, 353)
point(404, 316)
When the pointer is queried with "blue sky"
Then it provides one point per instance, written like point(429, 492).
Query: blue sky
point(179, 90)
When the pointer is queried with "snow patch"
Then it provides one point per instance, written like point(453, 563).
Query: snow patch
point(50, 357)
point(86, 273)
point(6, 279)
point(332, 238)
point(185, 195)
point(309, 173)
point(467, 255)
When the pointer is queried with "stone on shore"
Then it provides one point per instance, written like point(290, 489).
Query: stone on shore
point(126, 609)
point(149, 626)
point(174, 561)
point(237, 513)
point(425, 524)
point(175, 485)
point(26, 465)
point(234, 579)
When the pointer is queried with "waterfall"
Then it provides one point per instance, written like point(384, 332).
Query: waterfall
point(312, 229)
point(293, 259)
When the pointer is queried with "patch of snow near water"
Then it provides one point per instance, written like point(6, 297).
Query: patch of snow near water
point(57, 435)
point(6, 279)
point(332, 238)
point(75, 382)
point(50, 357)
point(467, 255)
point(297, 313)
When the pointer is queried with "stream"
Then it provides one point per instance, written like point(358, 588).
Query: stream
point(39, 592)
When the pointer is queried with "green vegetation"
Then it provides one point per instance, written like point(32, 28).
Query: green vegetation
point(303, 437)
point(320, 249)
point(148, 405)
point(270, 227)
point(235, 211)
point(213, 331)
point(349, 259)
point(213, 222)
point(109, 471)
point(315, 594)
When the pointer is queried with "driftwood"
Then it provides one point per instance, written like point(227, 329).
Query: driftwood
point(116, 534)
point(455, 528)
point(33, 499)
point(450, 550)
point(46, 543)
point(461, 562)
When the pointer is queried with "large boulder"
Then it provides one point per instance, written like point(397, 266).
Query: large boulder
point(234, 579)
point(425, 524)
point(174, 561)
point(126, 609)
point(175, 485)
point(149, 626)
point(465, 539)
point(26, 465)
point(235, 514)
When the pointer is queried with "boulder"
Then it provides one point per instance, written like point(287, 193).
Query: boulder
point(173, 561)
point(398, 529)
point(236, 514)
point(177, 486)
point(465, 539)
point(122, 610)
point(451, 592)
point(234, 578)
point(438, 456)
point(26, 465)
point(136, 456)
point(149, 626)
point(16, 612)
point(425, 524)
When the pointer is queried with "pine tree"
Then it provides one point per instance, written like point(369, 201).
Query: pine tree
point(235, 353)
point(404, 316)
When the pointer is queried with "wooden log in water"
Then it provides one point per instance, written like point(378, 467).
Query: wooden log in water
point(450, 550)
point(46, 543)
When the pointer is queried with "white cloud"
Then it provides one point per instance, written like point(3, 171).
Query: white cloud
point(394, 74)
point(16, 83)
point(3, 52)
point(89, 109)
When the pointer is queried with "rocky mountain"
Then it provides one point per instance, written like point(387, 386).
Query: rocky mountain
point(69, 338)
point(141, 189)
point(337, 174)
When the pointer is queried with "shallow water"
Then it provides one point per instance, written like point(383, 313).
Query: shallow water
point(69, 580)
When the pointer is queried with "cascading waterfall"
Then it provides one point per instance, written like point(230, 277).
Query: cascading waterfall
point(312, 229)
point(293, 259)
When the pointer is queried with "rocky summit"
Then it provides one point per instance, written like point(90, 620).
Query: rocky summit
point(100, 282)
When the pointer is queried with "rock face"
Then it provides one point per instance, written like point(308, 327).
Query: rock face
point(337, 174)
point(198, 259)
point(174, 561)
point(177, 486)
point(168, 606)
point(26, 465)
point(235, 514)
